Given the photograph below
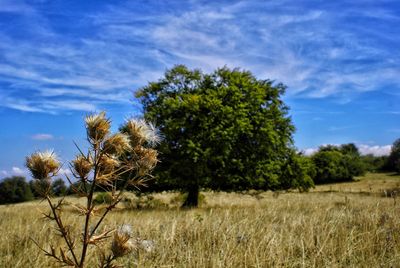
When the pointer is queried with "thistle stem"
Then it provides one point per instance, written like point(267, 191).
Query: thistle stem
point(89, 207)
point(110, 207)
point(62, 229)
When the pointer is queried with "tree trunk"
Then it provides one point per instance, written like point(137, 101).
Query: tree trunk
point(192, 199)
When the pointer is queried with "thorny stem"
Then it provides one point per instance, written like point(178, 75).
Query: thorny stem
point(110, 207)
point(89, 207)
point(62, 229)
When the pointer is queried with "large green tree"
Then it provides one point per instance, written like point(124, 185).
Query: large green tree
point(226, 130)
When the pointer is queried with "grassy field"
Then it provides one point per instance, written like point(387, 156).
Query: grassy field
point(339, 225)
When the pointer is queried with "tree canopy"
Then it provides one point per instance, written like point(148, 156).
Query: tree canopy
point(337, 163)
point(226, 130)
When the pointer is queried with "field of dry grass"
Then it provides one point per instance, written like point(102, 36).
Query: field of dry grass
point(331, 226)
point(371, 183)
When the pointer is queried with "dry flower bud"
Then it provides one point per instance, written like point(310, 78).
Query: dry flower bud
point(139, 132)
point(122, 243)
point(117, 144)
point(147, 160)
point(107, 167)
point(42, 164)
point(81, 166)
point(97, 127)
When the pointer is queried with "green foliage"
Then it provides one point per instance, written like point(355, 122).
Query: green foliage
point(298, 172)
point(14, 190)
point(335, 163)
point(226, 130)
point(374, 163)
point(144, 201)
point(58, 187)
point(393, 162)
point(103, 198)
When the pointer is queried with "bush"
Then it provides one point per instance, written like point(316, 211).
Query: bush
point(15, 190)
point(298, 173)
point(103, 198)
point(144, 201)
point(374, 163)
point(333, 164)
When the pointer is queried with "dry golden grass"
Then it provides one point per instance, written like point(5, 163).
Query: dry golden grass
point(375, 183)
point(316, 229)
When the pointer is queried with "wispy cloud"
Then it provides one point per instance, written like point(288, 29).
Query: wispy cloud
point(340, 128)
point(3, 173)
point(14, 171)
point(319, 51)
point(14, 6)
point(42, 137)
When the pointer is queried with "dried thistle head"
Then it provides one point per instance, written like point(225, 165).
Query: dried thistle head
point(42, 165)
point(81, 166)
point(140, 132)
point(97, 127)
point(107, 167)
point(147, 160)
point(122, 243)
point(117, 144)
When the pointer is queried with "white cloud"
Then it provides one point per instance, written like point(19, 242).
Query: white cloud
point(18, 171)
point(15, 6)
point(376, 150)
point(310, 151)
point(42, 137)
point(364, 149)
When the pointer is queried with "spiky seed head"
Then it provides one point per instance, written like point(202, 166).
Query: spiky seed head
point(42, 165)
point(147, 160)
point(117, 144)
point(81, 166)
point(107, 167)
point(140, 132)
point(122, 243)
point(153, 136)
point(97, 127)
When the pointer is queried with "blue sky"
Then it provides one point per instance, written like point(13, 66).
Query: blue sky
point(60, 60)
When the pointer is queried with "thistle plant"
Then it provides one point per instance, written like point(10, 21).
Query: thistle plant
point(121, 159)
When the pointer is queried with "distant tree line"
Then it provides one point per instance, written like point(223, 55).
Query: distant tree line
point(329, 164)
point(342, 163)
point(16, 189)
